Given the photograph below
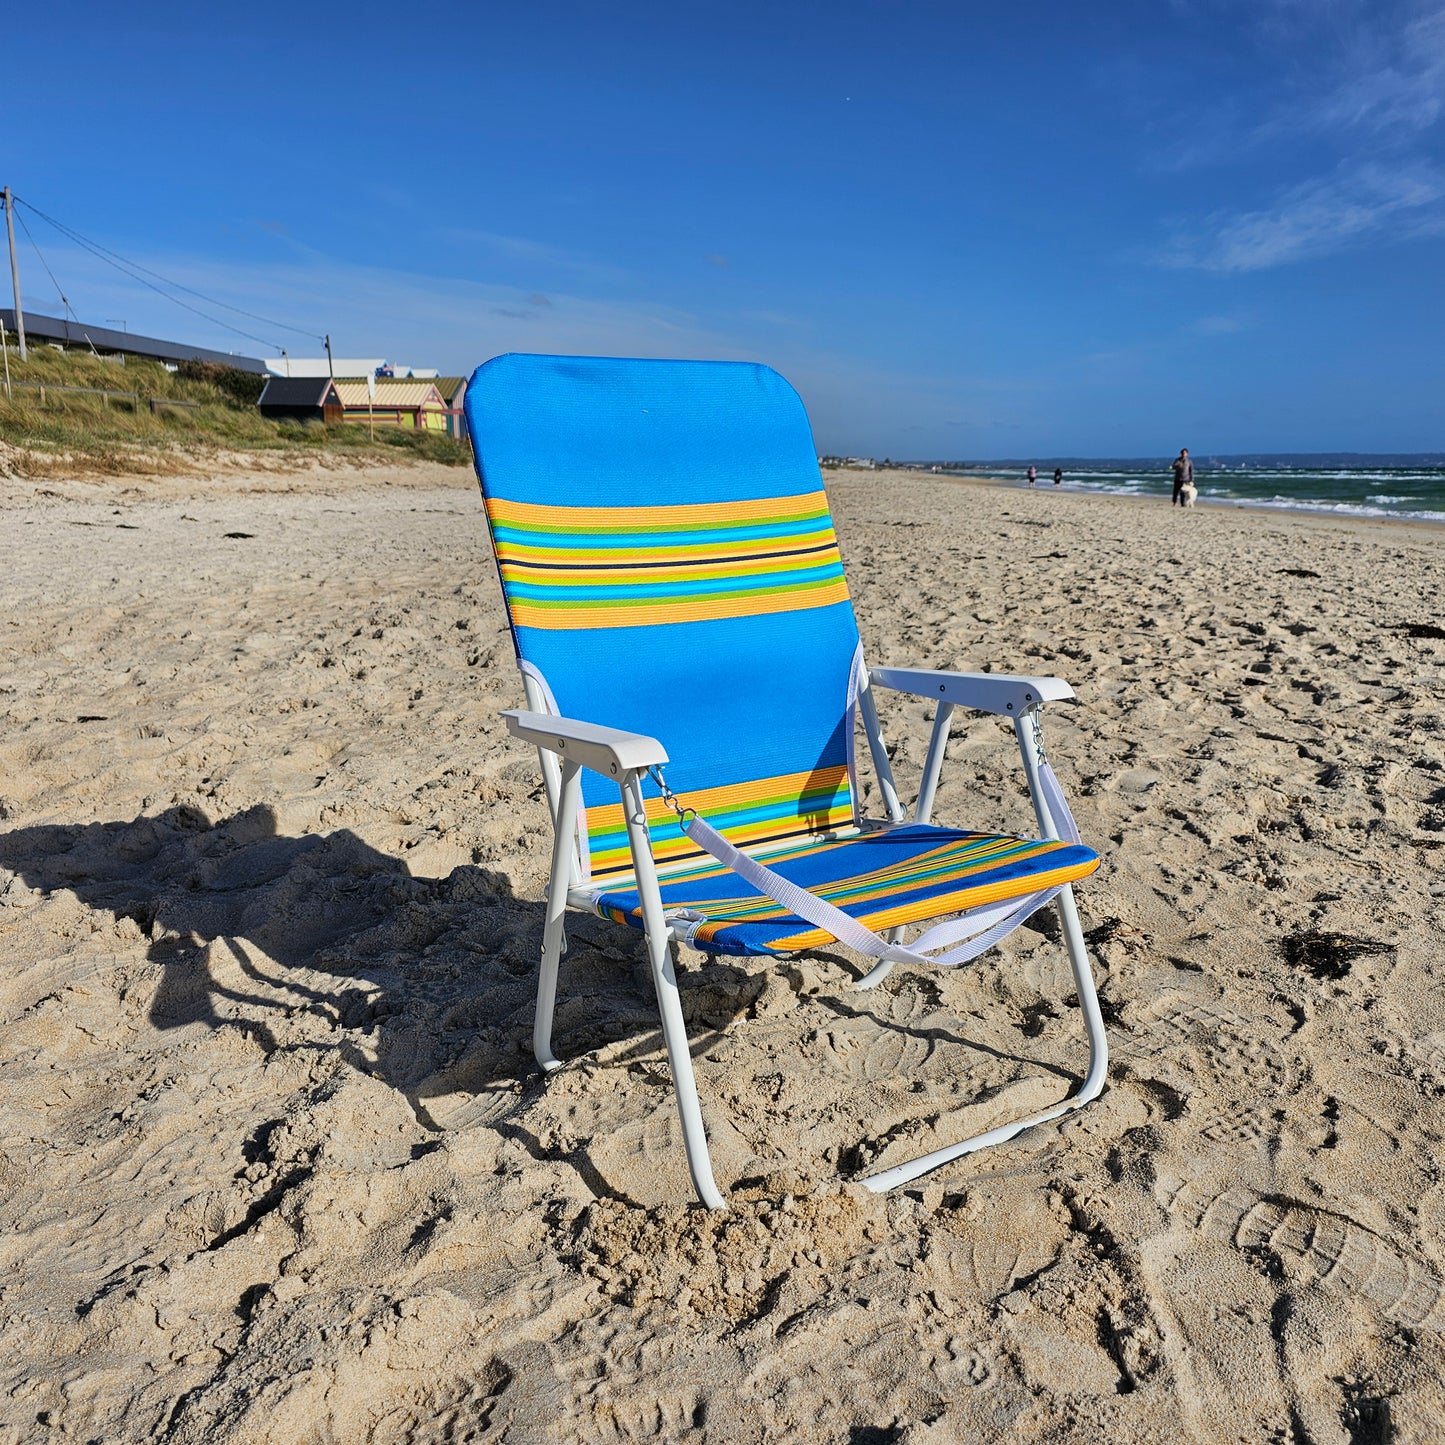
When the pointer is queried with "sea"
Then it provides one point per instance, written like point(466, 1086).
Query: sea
point(1396, 486)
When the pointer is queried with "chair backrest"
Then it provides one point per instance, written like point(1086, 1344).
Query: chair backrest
point(669, 566)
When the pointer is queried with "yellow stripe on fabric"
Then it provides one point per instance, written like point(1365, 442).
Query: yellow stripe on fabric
point(564, 616)
point(956, 901)
point(908, 875)
point(630, 570)
point(681, 849)
point(939, 905)
point(703, 865)
point(685, 516)
point(812, 802)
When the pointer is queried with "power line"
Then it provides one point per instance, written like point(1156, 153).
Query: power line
point(116, 259)
point(64, 301)
point(139, 273)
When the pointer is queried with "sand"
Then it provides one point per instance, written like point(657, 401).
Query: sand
point(276, 1164)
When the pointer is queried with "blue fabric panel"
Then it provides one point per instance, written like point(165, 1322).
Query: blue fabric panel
point(599, 431)
point(729, 699)
point(732, 699)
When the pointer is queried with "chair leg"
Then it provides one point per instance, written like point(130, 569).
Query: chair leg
point(884, 966)
point(664, 978)
point(679, 1059)
point(1090, 1089)
point(554, 935)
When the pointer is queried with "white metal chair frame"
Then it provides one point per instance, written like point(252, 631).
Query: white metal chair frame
point(566, 746)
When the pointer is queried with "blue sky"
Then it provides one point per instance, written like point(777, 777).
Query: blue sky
point(961, 230)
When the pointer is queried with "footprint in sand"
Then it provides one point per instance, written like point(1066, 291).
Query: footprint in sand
point(1314, 1246)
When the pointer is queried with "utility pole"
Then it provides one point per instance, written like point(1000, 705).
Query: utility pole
point(14, 269)
point(330, 366)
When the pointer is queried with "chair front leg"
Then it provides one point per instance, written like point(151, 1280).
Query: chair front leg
point(664, 978)
point(554, 937)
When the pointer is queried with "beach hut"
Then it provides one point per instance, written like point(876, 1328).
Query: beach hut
point(396, 402)
point(300, 398)
point(453, 391)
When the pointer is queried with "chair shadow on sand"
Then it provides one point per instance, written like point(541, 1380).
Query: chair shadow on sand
point(427, 984)
point(434, 979)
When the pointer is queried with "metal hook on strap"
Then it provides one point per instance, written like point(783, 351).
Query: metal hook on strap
point(1038, 712)
point(669, 797)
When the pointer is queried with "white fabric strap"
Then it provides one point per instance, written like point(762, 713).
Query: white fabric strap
point(983, 927)
point(1058, 805)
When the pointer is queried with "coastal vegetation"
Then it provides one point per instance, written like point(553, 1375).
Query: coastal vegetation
point(68, 411)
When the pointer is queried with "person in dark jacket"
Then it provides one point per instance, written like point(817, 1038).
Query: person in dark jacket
point(1183, 475)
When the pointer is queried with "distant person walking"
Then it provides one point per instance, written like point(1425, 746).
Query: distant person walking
point(1058, 475)
point(1183, 476)
point(1033, 475)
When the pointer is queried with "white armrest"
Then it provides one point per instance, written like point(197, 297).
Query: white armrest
point(609, 751)
point(997, 692)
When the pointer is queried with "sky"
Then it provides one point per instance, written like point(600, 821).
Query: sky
point(961, 230)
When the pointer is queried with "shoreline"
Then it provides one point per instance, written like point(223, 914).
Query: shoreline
point(1213, 504)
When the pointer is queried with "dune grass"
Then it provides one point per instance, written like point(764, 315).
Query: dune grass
point(118, 435)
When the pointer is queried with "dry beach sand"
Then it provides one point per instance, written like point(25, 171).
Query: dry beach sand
point(275, 1164)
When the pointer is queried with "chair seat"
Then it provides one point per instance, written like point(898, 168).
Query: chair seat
point(904, 874)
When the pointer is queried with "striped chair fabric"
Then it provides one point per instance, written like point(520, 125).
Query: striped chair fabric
point(669, 566)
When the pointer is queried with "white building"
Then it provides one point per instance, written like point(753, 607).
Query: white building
point(345, 368)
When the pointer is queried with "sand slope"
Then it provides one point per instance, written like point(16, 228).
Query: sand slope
point(276, 1166)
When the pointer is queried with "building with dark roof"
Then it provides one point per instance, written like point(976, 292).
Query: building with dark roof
point(301, 398)
point(56, 331)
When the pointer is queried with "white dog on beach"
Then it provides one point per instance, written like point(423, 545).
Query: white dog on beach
point(1188, 492)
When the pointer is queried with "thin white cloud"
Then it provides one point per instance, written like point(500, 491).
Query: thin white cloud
point(1316, 218)
point(1386, 79)
point(1345, 72)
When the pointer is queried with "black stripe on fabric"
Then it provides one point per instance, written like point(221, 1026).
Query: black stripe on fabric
point(677, 562)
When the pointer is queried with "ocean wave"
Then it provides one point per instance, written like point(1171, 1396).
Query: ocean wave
point(1346, 509)
point(1411, 494)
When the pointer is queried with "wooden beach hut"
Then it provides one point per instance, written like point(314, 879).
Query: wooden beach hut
point(453, 391)
point(301, 398)
point(397, 402)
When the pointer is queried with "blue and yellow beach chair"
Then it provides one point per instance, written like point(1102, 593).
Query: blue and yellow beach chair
point(676, 598)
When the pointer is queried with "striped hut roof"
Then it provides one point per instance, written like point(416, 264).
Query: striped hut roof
point(390, 392)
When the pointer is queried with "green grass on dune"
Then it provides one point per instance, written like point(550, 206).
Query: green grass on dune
point(69, 431)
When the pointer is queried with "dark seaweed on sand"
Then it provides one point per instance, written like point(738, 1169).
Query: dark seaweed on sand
point(1328, 955)
point(1420, 629)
